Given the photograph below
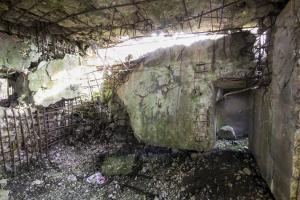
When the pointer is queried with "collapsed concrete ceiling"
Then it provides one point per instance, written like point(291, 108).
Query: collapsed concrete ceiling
point(106, 21)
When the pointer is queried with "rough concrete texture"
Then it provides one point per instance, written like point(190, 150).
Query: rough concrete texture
point(275, 142)
point(16, 54)
point(259, 139)
point(57, 79)
point(170, 96)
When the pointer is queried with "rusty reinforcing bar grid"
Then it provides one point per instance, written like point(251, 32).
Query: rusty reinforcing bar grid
point(27, 133)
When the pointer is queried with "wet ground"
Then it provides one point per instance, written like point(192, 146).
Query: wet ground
point(228, 172)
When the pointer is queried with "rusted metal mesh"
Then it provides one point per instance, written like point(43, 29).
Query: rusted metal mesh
point(212, 18)
point(27, 133)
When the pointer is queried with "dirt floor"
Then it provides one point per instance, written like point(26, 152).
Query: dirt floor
point(228, 172)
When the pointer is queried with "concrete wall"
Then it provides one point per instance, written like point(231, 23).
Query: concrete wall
point(170, 96)
point(276, 130)
point(40, 73)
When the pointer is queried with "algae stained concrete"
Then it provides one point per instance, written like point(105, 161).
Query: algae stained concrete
point(170, 96)
point(57, 79)
point(276, 135)
point(118, 165)
point(16, 54)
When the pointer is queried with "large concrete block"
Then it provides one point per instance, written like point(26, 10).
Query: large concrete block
point(170, 96)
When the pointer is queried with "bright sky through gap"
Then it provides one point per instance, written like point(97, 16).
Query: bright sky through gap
point(141, 46)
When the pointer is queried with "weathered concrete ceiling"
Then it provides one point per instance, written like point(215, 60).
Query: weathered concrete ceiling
point(105, 21)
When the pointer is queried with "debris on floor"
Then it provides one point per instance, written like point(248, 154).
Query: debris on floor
point(118, 165)
point(96, 178)
point(226, 133)
point(74, 171)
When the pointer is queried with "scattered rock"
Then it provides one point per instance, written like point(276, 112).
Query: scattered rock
point(193, 198)
point(226, 133)
point(161, 173)
point(247, 171)
point(37, 182)
point(72, 178)
point(112, 125)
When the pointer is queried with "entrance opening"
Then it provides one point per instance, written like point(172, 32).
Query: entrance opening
point(232, 113)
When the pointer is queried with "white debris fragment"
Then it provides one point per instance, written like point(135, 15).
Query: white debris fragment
point(96, 178)
point(37, 182)
point(72, 178)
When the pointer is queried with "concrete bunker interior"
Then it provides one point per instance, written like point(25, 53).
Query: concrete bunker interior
point(149, 99)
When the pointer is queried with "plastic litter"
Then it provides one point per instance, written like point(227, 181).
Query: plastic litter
point(96, 178)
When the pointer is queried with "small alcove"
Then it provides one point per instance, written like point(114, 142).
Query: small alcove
point(232, 110)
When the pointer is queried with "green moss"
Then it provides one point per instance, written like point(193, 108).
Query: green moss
point(194, 98)
point(56, 66)
point(118, 165)
point(59, 4)
point(106, 95)
point(96, 94)
point(16, 54)
point(87, 112)
point(107, 92)
point(3, 7)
